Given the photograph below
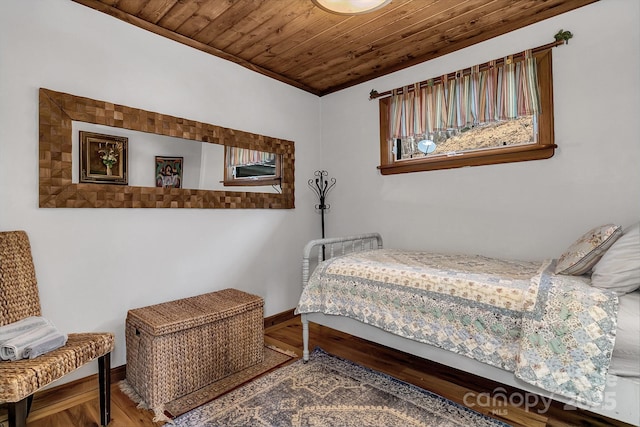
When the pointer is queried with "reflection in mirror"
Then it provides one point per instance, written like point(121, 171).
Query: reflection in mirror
point(58, 160)
point(103, 158)
point(246, 167)
point(202, 165)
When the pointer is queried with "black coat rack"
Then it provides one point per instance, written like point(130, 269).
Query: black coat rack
point(321, 186)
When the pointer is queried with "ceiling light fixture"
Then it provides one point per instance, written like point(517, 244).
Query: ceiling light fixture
point(350, 7)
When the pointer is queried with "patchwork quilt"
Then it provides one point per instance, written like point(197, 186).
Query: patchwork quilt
point(553, 331)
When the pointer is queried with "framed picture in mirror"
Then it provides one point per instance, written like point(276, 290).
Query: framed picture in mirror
point(103, 158)
point(169, 172)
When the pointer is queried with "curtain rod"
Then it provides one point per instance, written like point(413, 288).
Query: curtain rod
point(562, 37)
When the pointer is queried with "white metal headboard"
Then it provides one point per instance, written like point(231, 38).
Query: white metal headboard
point(335, 246)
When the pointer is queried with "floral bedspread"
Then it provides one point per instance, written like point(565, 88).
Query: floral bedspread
point(552, 331)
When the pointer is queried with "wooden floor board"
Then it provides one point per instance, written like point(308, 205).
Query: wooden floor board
point(76, 404)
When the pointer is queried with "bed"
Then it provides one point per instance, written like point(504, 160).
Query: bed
point(563, 328)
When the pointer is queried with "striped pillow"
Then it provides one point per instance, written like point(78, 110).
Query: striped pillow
point(585, 252)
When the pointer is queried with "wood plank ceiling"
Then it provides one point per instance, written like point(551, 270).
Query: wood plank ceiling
point(298, 43)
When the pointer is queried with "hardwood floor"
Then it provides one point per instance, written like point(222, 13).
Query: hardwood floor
point(76, 404)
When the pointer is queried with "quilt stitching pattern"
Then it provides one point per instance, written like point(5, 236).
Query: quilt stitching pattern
point(555, 332)
point(567, 340)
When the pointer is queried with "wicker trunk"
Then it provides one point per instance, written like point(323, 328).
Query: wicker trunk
point(178, 347)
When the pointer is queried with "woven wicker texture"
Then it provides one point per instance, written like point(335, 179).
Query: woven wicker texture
point(18, 286)
point(19, 299)
point(58, 110)
point(180, 346)
point(22, 378)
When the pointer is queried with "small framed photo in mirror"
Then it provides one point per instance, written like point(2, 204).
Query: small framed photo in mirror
point(169, 172)
point(103, 158)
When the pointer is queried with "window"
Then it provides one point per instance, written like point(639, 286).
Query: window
point(479, 142)
point(245, 167)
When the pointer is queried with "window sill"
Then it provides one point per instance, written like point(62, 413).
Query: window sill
point(477, 158)
point(251, 182)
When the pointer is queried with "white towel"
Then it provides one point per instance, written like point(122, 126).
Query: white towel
point(21, 326)
point(44, 345)
point(32, 343)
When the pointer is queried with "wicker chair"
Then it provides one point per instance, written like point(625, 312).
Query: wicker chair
point(19, 298)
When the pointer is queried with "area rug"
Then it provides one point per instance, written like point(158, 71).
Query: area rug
point(273, 358)
point(329, 391)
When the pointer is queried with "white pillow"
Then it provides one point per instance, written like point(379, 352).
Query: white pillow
point(619, 268)
point(585, 252)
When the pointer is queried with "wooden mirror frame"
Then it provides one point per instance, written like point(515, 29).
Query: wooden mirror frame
point(58, 110)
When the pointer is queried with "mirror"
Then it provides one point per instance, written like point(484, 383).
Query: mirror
point(201, 165)
point(61, 115)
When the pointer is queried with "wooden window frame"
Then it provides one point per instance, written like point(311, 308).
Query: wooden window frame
point(544, 147)
point(232, 181)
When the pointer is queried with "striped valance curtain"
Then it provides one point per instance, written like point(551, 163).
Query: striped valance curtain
point(245, 156)
point(496, 92)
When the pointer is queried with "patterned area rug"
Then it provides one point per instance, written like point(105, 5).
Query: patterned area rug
point(329, 391)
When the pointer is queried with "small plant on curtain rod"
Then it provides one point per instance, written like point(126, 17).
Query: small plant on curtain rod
point(321, 185)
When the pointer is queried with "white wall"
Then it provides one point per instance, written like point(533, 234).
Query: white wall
point(531, 210)
point(95, 264)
